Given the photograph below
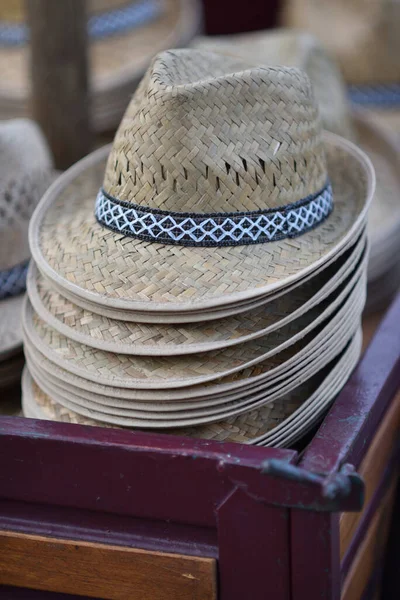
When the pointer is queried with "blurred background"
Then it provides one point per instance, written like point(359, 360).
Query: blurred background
point(73, 65)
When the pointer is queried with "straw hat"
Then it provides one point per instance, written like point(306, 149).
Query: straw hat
point(278, 424)
point(219, 187)
point(152, 339)
point(166, 372)
point(215, 284)
point(302, 50)
point(364, 37)
point(271, 393)
point(65, 370)
point(26, 171)
point(124, 35)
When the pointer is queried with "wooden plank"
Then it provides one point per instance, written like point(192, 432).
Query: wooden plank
point(372, 469)
point(98, 570)
point(253, 549)
point(143, 475)
point(371, 550)
point(314, 549)
point(59, 73)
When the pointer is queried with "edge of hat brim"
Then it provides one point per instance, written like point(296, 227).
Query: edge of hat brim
point(101, 154)
point(359, 251)
point(353, 292)
point(392, 155)
point(331, 385)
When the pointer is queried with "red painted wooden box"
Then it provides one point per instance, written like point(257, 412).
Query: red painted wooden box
point(112, 514)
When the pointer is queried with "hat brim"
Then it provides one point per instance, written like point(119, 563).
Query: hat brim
point(184, 413)
point(117, 62)
point(237, 385)
point(202, 315)
point(121, 370)
point(72, 249)
point(273, 424)
point(119, 336)
point(384, 214)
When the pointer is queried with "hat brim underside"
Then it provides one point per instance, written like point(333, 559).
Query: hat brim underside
point(108, 269)
point(115, 60)
point(276, 424)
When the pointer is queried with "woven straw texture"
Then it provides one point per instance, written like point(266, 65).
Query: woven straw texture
point(140, 338)
point(184, 413)
point(205, 314)
point(25, 173)
point(197, 408)
point(170, 372)
point(293, 49)
point(252, 427)
point(184, 165)
point(303, 50)
point(123, 272)
point(299, 357)
point(296, 361)
point(362, 34)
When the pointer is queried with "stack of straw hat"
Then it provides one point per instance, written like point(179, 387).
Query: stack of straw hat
point(206, 275)
point(26, 171)
point(302, 50)
point(365, 39)
point(124, 35)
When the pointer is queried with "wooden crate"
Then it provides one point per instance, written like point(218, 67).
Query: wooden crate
point(112, 514)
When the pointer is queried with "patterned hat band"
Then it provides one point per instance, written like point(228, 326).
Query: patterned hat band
point(116, 21)
point(213, 229)
point(13, 281)
point(380, 96)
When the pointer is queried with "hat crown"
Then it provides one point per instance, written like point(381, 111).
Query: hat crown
point(294, 48)
point(25, 167)
point(206, 133)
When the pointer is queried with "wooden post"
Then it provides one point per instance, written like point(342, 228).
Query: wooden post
point(59, 73)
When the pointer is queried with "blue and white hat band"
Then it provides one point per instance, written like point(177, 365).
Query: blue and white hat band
point(213, 229)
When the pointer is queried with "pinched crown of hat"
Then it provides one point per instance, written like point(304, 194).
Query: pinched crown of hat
point(293, 48)
point(212, 151)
